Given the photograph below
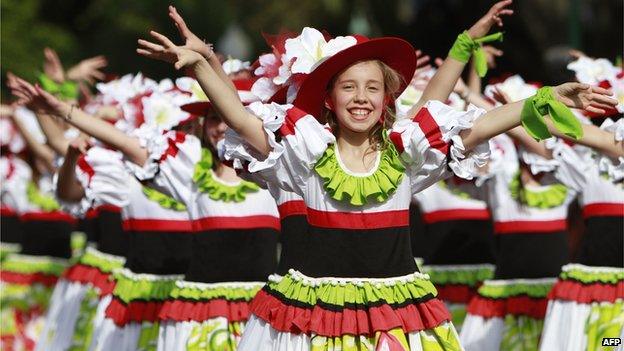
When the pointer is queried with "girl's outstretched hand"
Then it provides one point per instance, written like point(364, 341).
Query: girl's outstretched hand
point(34, 97)
point(493, 16)
point(88, 70)
point(167, 51)
point(191, 41)
point(584, 96)
point(52, 66)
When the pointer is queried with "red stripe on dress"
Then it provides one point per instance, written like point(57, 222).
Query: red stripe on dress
point(515, 305)
point(172, 149)
point(85, 274)
point(109, 208)
point(91, 213)
point(156, 225)
point(85, 167)
point(292, 208)
point(134, 311)
point(529, 226)
point(200, 311)
point(292, 116)
point(54, 216)
point(48, 280)
point(456, 293)
point(571, 290)
point(7, 212)
point(603, 210)
point(350, 220)
point(248, 222)
point(397, 140)
point(364, 321)
point(456, 214)
point(430, 128)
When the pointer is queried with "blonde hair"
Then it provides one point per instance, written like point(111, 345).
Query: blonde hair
point(392, 83)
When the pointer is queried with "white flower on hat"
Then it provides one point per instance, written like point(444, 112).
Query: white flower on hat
point(593, 71)
point(309, 49)
point(233, 65)
point(163, 110)
point(515, 87)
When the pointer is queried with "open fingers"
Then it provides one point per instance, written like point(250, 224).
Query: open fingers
point(603, 99)
point(151, 46)
point(179, 21)
point(423, 60)
point(163, 39)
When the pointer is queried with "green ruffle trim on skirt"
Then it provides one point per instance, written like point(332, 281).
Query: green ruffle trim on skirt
point(464, 275)
point(590, 275)
point(130, 287)
point(226, 291)
point(34, 264)
point(500, 289)
point(104, 262)
point(338, 292)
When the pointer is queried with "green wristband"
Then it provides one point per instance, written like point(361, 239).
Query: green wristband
point(543, 103)
point(67, 90)
point(465, 47)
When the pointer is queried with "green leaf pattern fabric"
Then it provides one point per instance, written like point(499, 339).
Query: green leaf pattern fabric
point(215, 335)
point(521, 333)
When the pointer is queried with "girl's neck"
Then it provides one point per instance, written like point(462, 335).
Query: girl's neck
point(355, 151)
point(227, 174)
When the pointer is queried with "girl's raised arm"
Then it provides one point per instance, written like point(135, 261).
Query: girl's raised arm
point(442, 83)
point(68, 187)
point(223, 98)
point(573, 95)
point(42, 101)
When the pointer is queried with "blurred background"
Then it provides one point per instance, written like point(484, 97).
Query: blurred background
point(537, 37)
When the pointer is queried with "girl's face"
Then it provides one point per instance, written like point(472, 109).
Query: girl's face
point(214, 130)
point(357, 97)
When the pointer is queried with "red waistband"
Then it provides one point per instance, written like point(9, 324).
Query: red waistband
point(248, 222)
point(292, 208)
point(350, 220)
point(7, 212)
point(156, 225)
point(57, 216)
point(456, 214)
point(603, 210)
point(530, 226)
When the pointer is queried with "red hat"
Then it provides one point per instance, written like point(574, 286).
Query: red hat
point(394, 52)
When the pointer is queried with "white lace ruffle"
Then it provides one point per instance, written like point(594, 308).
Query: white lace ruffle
point(152, 139)
point(310, 281)
point(236, 148)
point(606, 165)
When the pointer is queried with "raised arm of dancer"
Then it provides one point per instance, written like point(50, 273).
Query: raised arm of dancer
point(68, 187)
point(223, 98)
point(506, 117)
point(442, 83)
point(192, 42)
point(596, 138)
point(95, 127)
point(40, 150)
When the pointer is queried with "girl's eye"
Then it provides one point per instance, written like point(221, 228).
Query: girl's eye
point(347, 87)
point(373, 88)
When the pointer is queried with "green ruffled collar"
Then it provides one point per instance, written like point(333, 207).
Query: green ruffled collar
point(454, 190)
point(216, 189)
point(554, 195)
point(358, 190)
point(44, 202)
point(163, 200)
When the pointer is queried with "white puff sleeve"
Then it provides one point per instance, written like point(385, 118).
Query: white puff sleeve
point(430, 145)
point(172, 157)
point(102, 174)
point(297, 139)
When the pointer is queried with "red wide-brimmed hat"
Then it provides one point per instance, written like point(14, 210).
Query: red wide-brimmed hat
point(394, 52)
